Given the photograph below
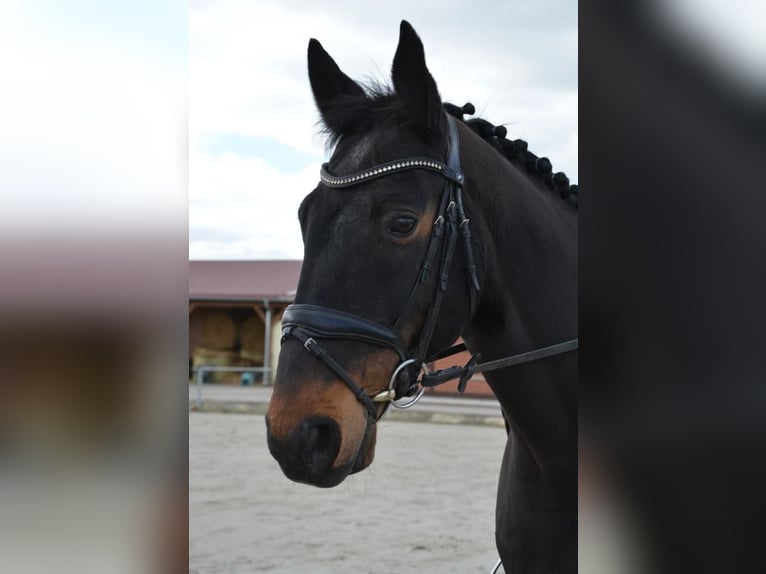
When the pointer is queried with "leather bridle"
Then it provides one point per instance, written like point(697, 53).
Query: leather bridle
point(312, 323)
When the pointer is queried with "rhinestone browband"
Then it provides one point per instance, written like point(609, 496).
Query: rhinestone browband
point(387, 169)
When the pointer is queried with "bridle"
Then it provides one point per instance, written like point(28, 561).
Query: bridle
point(310, 323)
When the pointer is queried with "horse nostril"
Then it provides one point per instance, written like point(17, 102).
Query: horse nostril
point(321, 442)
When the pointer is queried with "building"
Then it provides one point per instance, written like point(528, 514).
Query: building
point(235, 312)
point(235, 309)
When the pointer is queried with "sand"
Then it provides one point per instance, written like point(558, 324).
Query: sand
point(425, 505)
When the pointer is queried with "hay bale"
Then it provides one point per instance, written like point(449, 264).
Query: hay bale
point(219, 331)
point(251, 337)
point(215, 357)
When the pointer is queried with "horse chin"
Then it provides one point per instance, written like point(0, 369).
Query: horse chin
point(362, 461)
point(327, 480)
point(366, 452)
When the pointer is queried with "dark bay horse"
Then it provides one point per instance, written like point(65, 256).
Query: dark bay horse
point(425, 228)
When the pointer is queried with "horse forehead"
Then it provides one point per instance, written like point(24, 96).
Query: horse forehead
point(355, 154)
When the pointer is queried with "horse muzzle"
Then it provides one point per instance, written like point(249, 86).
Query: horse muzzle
point(309, 452)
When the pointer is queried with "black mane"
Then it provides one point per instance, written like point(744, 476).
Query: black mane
point(517, 152)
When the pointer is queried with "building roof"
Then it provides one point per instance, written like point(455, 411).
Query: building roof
point(243, 280)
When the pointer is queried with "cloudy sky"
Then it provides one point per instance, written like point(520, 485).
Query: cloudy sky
point(111, 110)
point(254, 145)
point(92, 114)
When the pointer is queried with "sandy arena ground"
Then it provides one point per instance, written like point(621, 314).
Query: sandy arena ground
point(426, 505)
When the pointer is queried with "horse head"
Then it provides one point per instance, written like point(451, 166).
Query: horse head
point(380, 240)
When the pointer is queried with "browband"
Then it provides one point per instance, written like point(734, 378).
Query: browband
point(389, 168)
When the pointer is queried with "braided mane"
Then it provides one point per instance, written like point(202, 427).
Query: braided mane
point(355, 114)
point(517, 152)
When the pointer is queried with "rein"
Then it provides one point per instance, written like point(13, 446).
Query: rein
point(310, 323)
point(472, 367)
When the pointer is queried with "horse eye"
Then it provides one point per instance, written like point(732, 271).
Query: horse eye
point(402, 224)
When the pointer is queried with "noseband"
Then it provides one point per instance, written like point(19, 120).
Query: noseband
point(312, 323)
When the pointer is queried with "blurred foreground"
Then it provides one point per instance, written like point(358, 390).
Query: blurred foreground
point(672, 277)
point(93, 446)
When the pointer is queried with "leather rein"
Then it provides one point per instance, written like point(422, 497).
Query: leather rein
point(310, 323)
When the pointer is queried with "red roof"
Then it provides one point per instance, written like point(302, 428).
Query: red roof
point(243, 280)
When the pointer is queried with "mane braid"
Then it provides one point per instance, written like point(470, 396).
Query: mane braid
point(517, 152)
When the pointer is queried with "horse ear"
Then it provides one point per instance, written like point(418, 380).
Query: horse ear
point(412, 80)
point(328, 83)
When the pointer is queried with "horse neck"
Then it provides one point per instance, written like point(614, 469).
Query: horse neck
point(530, 249)
point(529, 292)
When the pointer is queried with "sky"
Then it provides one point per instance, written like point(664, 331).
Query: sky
point(93, 113)
point(198, 117)
point(254, 142)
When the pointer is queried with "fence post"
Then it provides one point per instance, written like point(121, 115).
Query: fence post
point(200, 377)
point(267, 345)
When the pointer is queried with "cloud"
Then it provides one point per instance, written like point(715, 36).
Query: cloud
point(284, 157)
point(517, 62)
point(245, 208)
point(92, 130)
